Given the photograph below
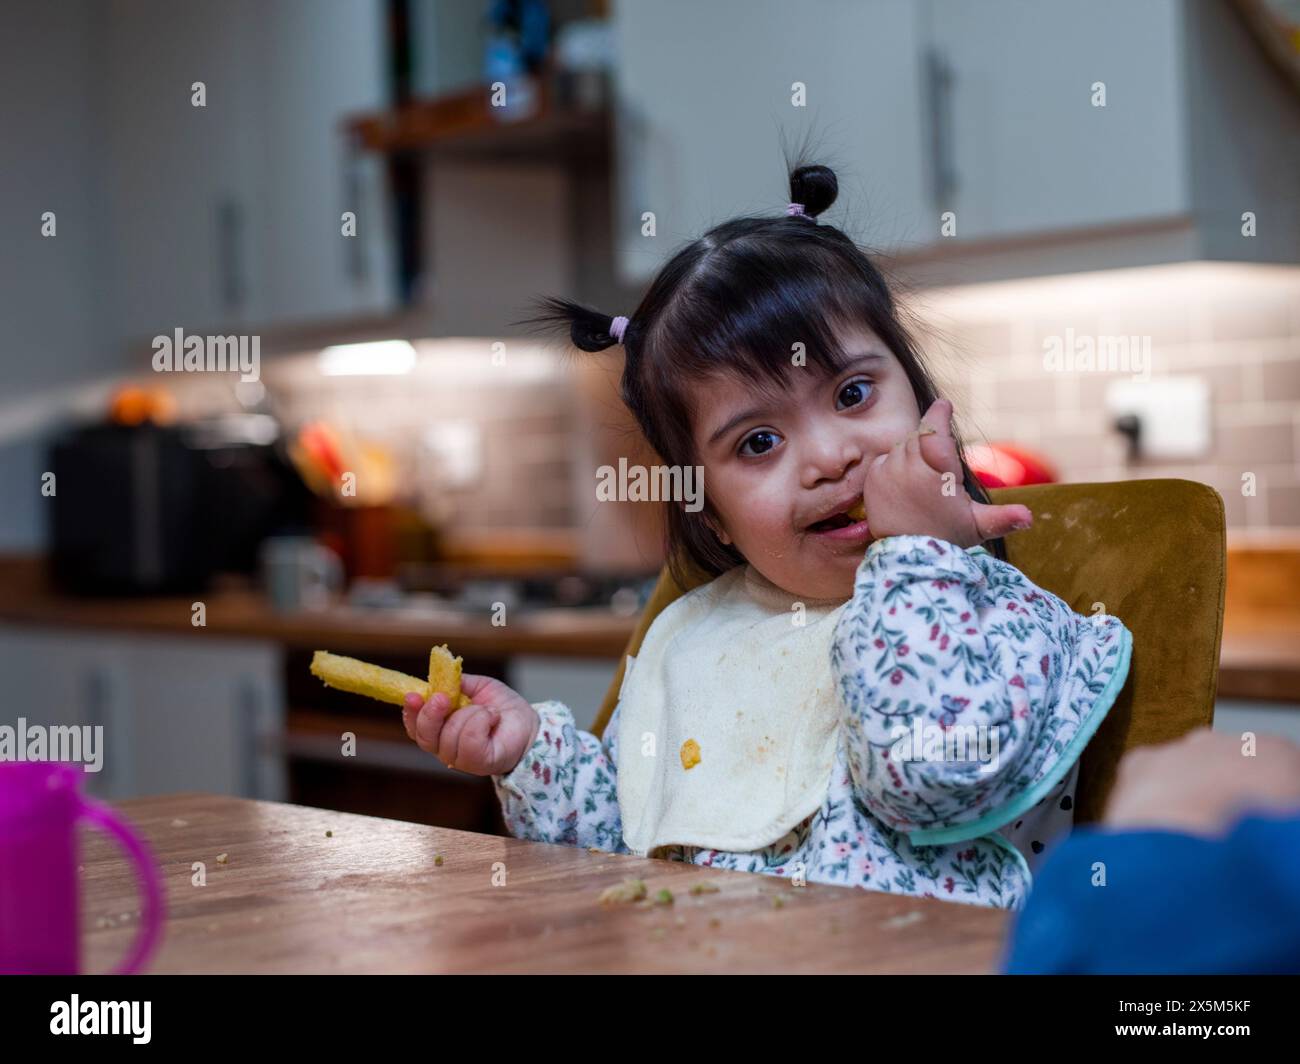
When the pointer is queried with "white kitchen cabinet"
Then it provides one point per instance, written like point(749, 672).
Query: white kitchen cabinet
point(1024, 146)
point(319, 63)
point(177, 177)
point(1237, 716)
point(988, 110)
point(704, 96)
point(580, 683)
point(1198, 139)
point(229, 215)
point(201, 711)
point(74, 681)
point(179, 713)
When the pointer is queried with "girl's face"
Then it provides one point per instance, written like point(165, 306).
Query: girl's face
point(770, 472)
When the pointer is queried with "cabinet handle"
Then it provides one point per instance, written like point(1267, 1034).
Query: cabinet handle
point(939, 79)
point(354, 191)
point(640, 153)
point(246, 732)
point(98, 699)
point(230, 239)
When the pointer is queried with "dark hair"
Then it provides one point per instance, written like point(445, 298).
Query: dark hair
point(729, 303)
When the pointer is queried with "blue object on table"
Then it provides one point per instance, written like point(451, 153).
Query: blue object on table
point(1171, 904)
point(502, 59)
point(519, 40)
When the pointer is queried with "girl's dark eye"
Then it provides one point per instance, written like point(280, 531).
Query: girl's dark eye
point(857, 392)
point(764, 439)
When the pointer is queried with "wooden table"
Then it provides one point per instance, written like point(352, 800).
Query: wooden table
point(373, 898)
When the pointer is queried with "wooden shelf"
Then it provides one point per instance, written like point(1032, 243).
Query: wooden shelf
point(465, 124)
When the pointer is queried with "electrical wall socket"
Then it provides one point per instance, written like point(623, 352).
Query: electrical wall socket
point(1174, 414)
point(458, 446)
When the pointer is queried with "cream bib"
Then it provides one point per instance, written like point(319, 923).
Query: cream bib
point(727, 668)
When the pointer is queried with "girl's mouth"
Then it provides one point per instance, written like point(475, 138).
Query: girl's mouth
point(836, 521)
point(841, 527)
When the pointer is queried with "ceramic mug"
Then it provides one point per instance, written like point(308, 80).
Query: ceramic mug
point(299, 574)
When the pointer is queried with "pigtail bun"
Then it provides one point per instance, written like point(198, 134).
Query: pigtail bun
point(815, 187)
point(587, 328)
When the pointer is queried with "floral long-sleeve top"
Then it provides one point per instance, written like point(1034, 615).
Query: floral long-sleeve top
point(936, 642)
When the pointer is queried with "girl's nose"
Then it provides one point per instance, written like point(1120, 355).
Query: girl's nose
point(830, 457)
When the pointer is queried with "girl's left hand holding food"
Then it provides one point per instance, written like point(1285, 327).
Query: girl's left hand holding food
point(487, 737)
point(916, 489)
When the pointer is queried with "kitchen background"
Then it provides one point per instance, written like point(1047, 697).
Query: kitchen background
point(1030, 173)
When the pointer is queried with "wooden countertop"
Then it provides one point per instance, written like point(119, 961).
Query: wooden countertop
point(1260, 653)
point(26, 598)
point(1259, 657)
point(373, 899)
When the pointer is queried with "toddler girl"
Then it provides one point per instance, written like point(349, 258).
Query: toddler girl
point(881, 701)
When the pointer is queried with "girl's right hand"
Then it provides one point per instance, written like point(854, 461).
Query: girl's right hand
point(486, 738)
point(916, 489)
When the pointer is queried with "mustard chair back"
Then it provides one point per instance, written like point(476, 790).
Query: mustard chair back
point(1151, 552)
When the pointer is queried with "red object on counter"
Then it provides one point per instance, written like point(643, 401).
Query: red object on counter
point(319, 441)
point(363, 538)
point(1004, 465)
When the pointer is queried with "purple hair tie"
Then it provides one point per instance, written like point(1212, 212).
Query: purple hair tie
point(794, 208)
point(618, 327)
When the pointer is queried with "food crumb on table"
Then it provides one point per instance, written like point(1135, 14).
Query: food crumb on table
point(705, 888)
point(329, 834)
point(628, 890)
point(223, 858)
point(438, 860)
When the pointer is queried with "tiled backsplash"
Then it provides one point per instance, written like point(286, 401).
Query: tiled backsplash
point(522, 413)
point(545, 422)
point(1236, 326)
